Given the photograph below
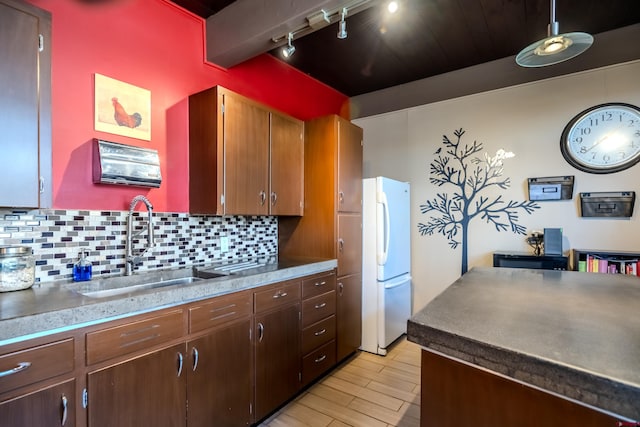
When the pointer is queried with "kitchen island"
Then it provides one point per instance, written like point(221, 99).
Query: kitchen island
point(519, 347)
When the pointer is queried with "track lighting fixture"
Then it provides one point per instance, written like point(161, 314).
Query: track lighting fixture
point(342, 26)
point(555, 48)
point(289, 49)
point(322, 18)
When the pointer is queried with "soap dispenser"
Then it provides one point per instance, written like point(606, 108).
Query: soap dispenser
point(82, 268)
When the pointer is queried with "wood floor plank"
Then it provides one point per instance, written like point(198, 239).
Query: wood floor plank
point(383, 414)
point(383, 377)
point(332, 394)
point(284, 420)
point(306, 415)
point(362, 362)
point(346, 415)
point(372, 396)
point(407, 396)
point(351, 377)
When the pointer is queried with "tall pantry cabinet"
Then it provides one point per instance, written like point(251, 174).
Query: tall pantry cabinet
point(331, 226)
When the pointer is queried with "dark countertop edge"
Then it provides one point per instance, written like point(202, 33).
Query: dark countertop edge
point(93, 311)
point(603, 394)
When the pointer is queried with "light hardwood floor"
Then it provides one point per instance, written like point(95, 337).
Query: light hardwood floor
point(365, 391)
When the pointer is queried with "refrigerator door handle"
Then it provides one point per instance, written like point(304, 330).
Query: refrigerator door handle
point(397, 282)
point(386, 228)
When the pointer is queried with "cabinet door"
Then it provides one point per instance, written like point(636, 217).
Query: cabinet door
point(349, 167)
point(287, 166)
point(246, 157)
point(24, 105)
point(146, 391)
point(349, 244)
point(49, 407)
point(349, 315)
point(277, 353)
point(219, 385)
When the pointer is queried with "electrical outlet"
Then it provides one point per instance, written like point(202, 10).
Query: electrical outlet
point(224, 244)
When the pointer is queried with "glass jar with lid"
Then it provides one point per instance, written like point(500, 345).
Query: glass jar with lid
point(17, 268)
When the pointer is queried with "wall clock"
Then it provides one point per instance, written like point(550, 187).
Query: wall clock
point(603, 139)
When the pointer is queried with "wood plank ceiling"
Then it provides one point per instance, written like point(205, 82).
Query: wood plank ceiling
point(430, 37)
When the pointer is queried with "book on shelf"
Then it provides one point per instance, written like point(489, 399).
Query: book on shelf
point(609, 264)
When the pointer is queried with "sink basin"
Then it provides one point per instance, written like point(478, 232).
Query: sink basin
point(111, 291)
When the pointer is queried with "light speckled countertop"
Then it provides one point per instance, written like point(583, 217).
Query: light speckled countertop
point(575, 334)
point(53, 307)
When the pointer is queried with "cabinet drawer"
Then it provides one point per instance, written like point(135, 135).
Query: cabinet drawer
point(317, 308)
point(318, 334)
point(219, 310)
point(36, 364)
point(277, 295)
point(318, 285)
point(318, 362)
point(111, 342)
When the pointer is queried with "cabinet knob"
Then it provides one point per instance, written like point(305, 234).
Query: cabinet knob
point(340, 245)
point(340, 288)
point(341, 196)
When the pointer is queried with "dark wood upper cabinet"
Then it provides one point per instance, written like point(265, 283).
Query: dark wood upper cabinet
point(244, 158)
point(286, 165)
point(25, 105)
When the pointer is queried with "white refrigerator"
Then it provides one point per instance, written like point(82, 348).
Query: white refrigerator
point(386, 262)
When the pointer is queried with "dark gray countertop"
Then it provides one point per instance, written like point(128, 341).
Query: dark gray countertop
point(572, 333)
point(53, 307)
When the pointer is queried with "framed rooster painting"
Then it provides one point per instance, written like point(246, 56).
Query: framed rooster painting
point(122, 108)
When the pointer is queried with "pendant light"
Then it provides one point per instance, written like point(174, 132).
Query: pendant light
point(555, 48)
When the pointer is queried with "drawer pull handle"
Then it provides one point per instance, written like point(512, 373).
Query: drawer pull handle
point(64, 410)
point(340, 289)
point(340, 245)
point(180, 362)
point(319, 306)
point(21, 367)
point(321, 358)
point(321, 283)
point(320, 332)
point(280, 294)
point(196, 357)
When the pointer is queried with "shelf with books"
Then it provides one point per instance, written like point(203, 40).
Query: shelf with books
point(611, 262)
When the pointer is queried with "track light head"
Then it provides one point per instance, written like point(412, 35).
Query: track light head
point(342, 26)
point(289, 49)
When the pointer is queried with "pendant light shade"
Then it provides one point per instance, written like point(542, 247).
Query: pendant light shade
point(555, 48)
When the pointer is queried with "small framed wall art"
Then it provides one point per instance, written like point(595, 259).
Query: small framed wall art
point(122, 108)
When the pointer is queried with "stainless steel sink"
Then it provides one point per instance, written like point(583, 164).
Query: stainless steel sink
point(107, 291)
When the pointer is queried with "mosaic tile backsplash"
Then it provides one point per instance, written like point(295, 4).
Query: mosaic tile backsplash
point(58, 236)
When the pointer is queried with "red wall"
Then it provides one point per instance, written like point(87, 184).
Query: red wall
point(158, 46)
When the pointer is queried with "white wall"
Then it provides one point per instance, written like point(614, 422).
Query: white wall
point(526, 120)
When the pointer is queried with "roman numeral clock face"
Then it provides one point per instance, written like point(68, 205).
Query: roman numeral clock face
point(603, 139)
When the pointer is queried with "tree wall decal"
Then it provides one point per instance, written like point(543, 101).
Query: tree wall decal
point(460, 167)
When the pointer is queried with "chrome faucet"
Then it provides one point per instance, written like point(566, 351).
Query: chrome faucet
point(132, 260)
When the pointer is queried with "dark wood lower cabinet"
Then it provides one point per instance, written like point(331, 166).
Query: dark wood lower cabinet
point(277, 358)
point(49, 407)
point(455, 394)
point(348, 315)
point(220, 382)
point(145, 391)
